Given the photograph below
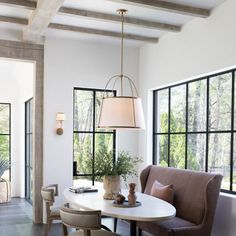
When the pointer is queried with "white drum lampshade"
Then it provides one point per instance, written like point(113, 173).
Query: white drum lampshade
point(121, 112)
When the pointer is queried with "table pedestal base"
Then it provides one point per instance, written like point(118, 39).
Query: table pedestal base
point(133, 225)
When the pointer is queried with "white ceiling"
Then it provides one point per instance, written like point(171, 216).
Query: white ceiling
point(110, 7)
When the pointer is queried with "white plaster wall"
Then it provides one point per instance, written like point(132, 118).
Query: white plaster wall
point(70, 64)
point(203, 46)
point(16, 86)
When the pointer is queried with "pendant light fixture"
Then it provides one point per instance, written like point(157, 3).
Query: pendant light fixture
point(122, 111)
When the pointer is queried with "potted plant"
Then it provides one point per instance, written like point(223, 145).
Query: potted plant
point(5, 191)
point(111, 169)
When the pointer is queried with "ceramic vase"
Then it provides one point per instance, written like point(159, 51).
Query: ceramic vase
point(111, 185)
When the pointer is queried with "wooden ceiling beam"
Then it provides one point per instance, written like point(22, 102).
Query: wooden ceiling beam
point(40, 19)
point(22, 21)
point(168, 6)
point(31, 5)
point(14, 20)
point(116, 18)
point(102, 32)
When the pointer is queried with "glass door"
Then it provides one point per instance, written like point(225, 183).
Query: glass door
point(28, 150)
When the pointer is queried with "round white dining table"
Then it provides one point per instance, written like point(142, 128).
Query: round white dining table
point(151, 208)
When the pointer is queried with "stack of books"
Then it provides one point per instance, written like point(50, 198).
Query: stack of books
point(83, 189)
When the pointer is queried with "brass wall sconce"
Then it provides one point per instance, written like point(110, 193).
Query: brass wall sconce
point(60, 117)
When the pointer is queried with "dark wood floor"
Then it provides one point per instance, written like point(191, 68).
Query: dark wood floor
point(16, 220)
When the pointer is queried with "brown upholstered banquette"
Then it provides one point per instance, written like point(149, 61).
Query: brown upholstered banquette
point(195, 199)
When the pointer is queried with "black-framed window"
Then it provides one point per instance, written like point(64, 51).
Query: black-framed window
point(194, 126)
point(89, 141)
point(29, 150)
point(5, 135)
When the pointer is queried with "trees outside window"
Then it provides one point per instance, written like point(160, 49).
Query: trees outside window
point(89, 141)
point(194, 126)
point(5, 134)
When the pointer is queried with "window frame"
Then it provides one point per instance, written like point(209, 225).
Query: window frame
point(8, 134)
point(93, 132)
point(207, 132)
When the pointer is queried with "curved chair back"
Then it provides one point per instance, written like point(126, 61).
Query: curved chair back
point(87, 220)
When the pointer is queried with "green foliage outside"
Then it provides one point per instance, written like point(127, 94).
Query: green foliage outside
point(4, 138)
point(177, 147)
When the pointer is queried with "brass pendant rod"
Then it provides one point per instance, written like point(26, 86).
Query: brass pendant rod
point(122, 50)
point(122, 12)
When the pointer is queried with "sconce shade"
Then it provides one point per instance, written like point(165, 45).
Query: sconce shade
point(121, 112)
point(60, 116)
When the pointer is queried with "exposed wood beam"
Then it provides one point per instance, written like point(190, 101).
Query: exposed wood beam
point(116, 18)
point(101, 32)
point(41, 18)
point(20, 3)
point(14, 20)
point(100, 16)
point(22, 21)
point(169, 6)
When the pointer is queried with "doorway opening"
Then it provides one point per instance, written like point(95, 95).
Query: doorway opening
point(16, 88)
point(33, 53)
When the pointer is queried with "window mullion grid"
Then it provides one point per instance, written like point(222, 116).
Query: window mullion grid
point(169, 111)
point(186, 127)
point(207, 125)
point(94, 127)
point(232, 133)
point(154, 147)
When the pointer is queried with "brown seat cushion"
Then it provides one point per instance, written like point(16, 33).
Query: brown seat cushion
point(164, 227)
point(164, 192)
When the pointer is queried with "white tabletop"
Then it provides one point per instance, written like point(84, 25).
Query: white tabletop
point(152, 208)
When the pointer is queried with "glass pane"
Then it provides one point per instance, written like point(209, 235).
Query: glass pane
point(98, 103)
point(31, 184)
point(4, 153)
point(4, 119)
point(178, 109)
point(177, 150)
point(31, 150)
point(196, 152)
point(27, 150)
point(234, 164)
point(4, 147)
point(197, 106)
point(27, 117)
point(219, 157)
point(31, 115)
point(103, 148)
point(220, 90)
point(103, 143)
point(83, 110)
point(162, 103)
point(83, 144)
point(161, 145)
point(234, 101)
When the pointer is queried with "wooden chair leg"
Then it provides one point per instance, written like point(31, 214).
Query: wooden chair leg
point(139, 232)
point(65, 232)
point(115, 224)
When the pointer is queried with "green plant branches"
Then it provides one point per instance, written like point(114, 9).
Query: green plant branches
point(124, 165)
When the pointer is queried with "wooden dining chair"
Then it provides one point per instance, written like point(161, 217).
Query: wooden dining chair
point(48, 194)
point(86, 223)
